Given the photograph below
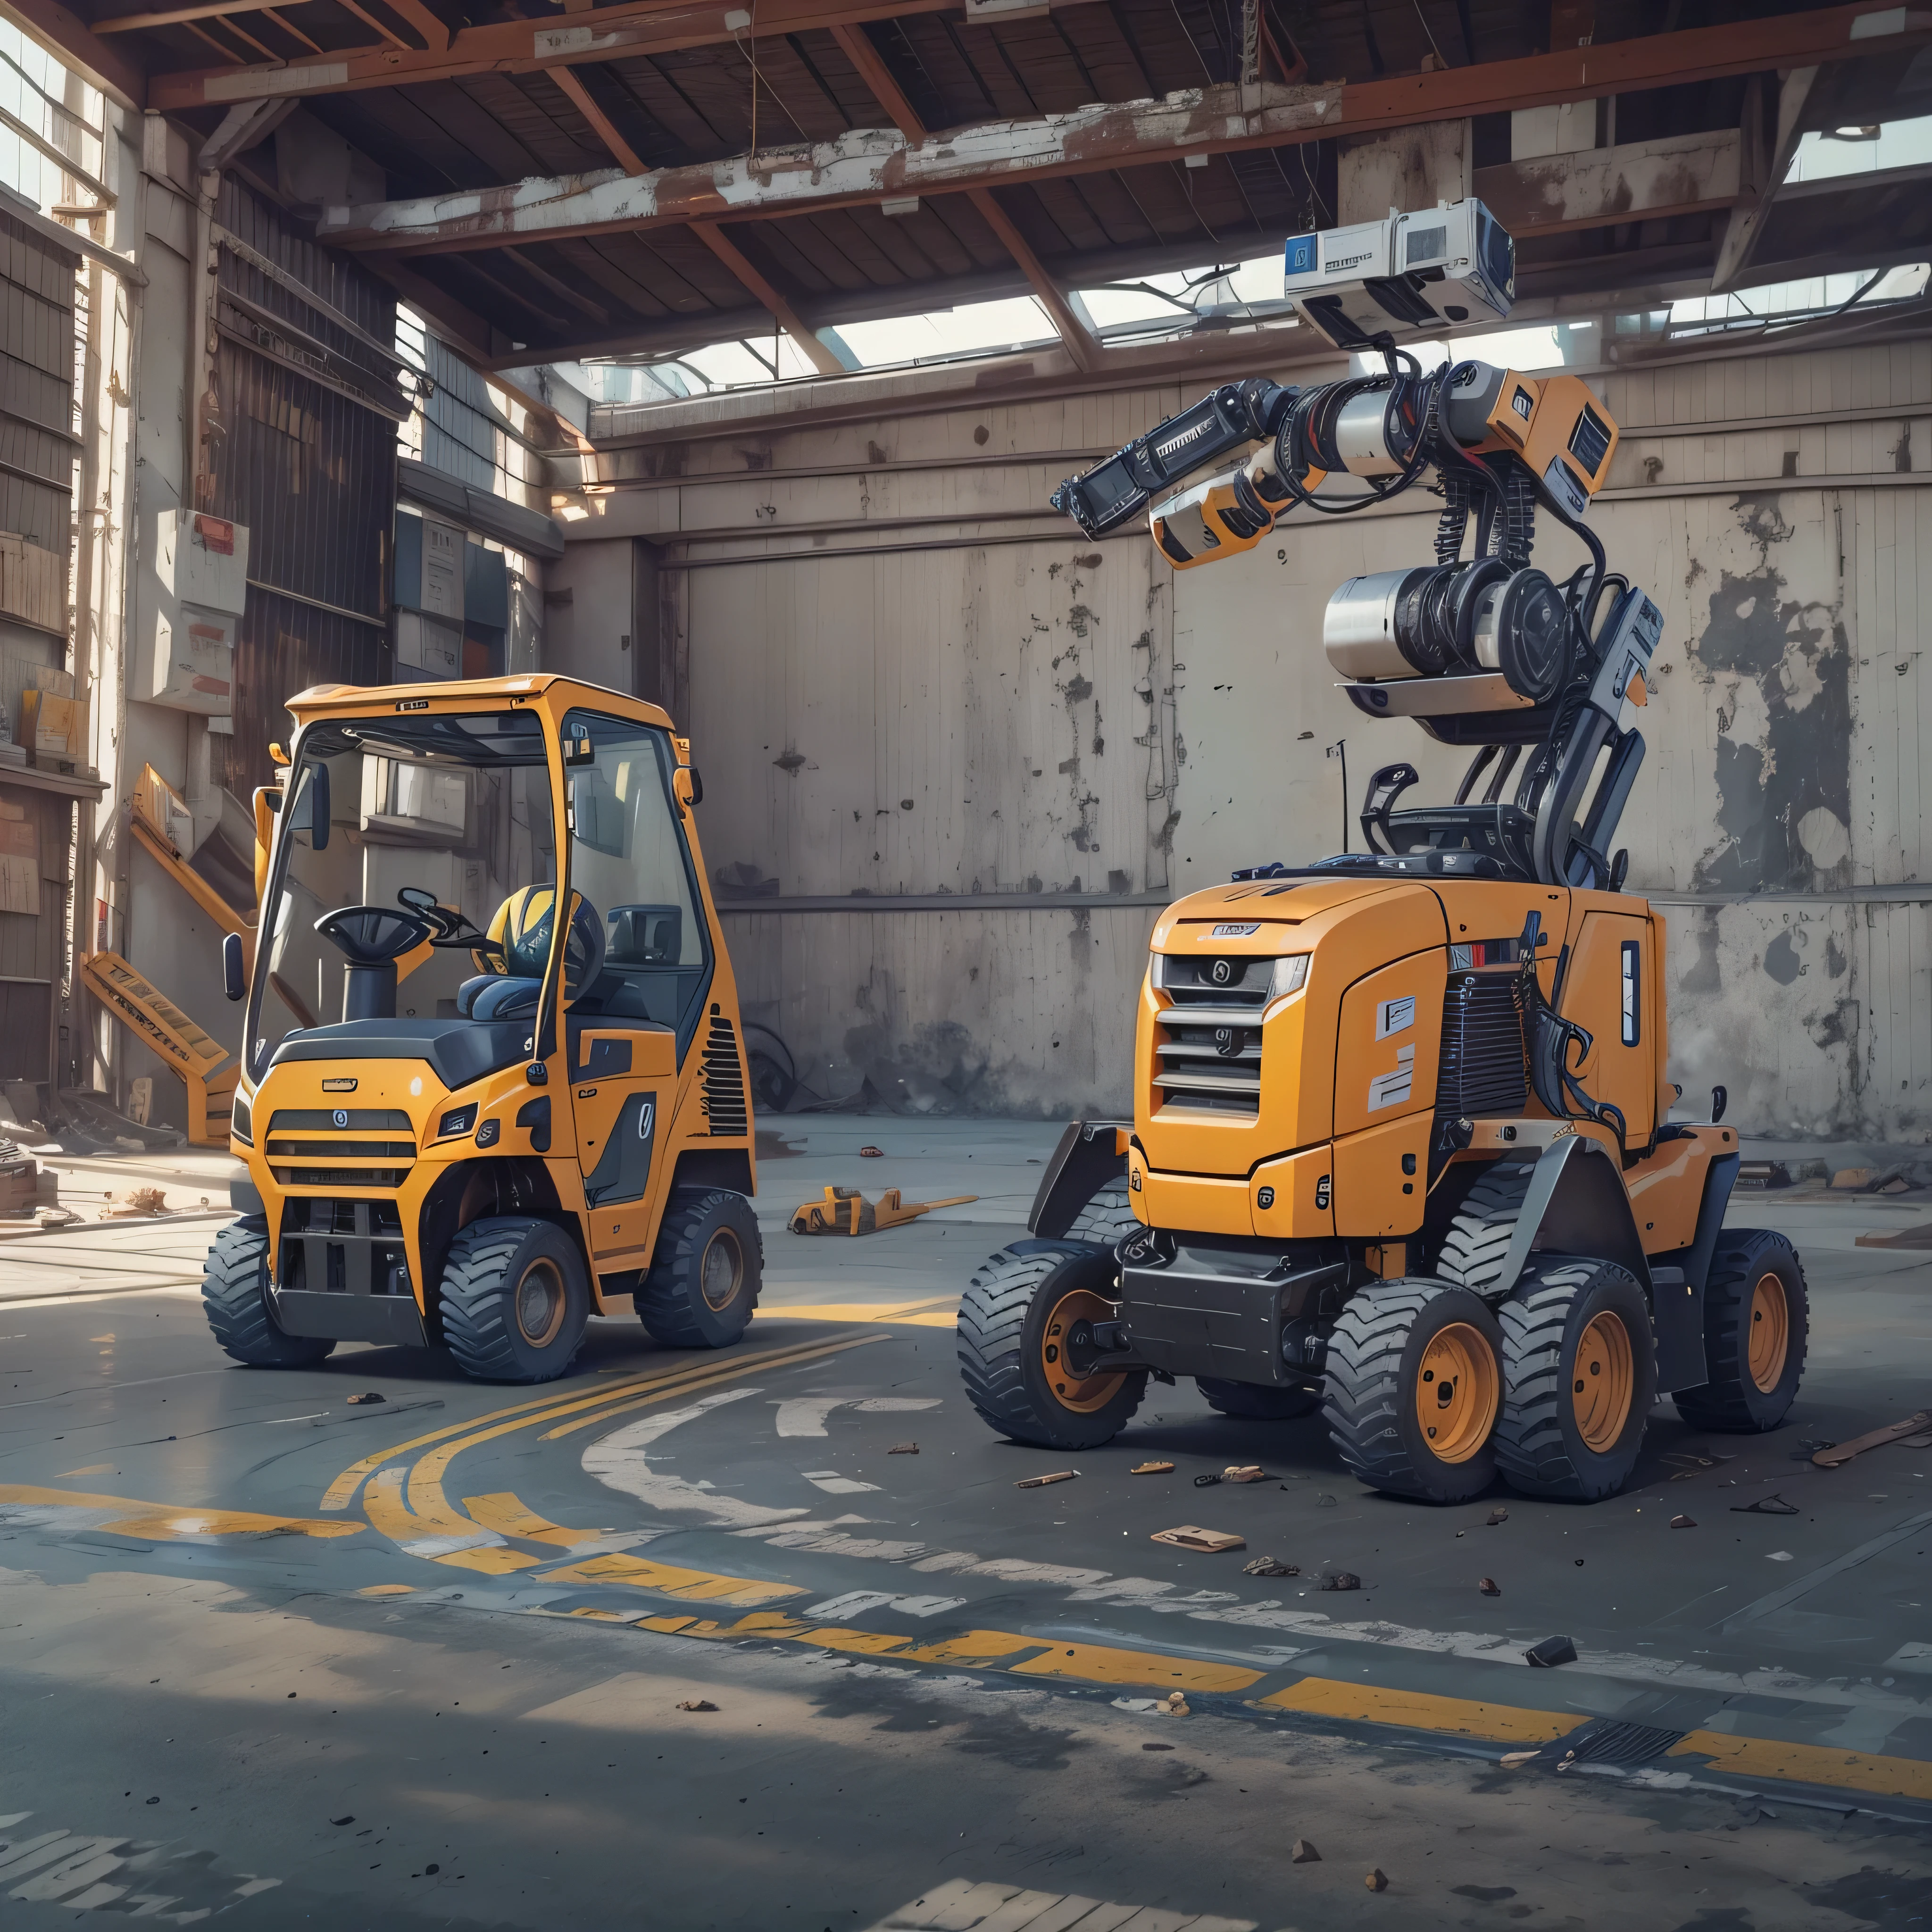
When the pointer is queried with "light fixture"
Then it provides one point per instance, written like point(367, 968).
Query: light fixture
point(1870, 133)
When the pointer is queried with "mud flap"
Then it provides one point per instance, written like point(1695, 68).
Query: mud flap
point(1089, 1154)
point(1576, 1205)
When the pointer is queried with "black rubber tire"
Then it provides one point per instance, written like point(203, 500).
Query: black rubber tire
point(1375, 1355)
point(235, 1294)
point(1540, 1449)
point(1480, 1235)
point(670, 1300)
point(1002, 1319)
point(1732, 1402)
point(489, 1262)
point(1253, 1401)
point(1107, 1217)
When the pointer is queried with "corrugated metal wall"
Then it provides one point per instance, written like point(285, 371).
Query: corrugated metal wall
point(928, 688)
point(38, 443)
point(311, 470)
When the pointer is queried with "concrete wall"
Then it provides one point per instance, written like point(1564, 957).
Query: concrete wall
point(906, 682)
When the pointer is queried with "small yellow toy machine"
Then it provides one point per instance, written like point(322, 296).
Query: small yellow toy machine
point(493, 1074)
point(1400, 1150)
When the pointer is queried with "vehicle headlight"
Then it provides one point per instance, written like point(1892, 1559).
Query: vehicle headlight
point(458, 1120)
point(1290, 975)
point(240, 1123)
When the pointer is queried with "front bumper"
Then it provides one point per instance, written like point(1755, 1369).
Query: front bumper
point(1224, 1309)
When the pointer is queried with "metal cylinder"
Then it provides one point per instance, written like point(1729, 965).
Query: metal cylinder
point(1358, 628)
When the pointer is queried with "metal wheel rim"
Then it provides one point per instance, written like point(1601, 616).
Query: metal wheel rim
point(1770, 1333)
point(540, 1300)
point(1458, 1391)
point(1603, 1382)
point(721, 1271)
point(1082, 1394)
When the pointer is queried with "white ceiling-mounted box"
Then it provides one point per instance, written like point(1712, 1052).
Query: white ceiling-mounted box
point(204, 559)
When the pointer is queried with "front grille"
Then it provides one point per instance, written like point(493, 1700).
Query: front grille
point(724, 1081)
point(1482, 1066)
point(1209, 1045)
point(327, 1134)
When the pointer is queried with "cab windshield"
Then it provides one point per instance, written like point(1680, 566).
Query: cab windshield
point(450, 817)
point(457, 806)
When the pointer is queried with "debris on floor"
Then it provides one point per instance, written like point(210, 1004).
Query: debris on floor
point(1339, 1580)
point(1490, 1587)
point(1151, 1469)
point(1516, 1760)
point(1763, 1175)
point(1324, 1502)
point(1041, 1482)
point(697, 1704)
point(1176, 1705)
point(1682, 1523)
point(903, 1449)
point(1765, 1506)
point(1377, 1880)
point(131, 1201)
point(1550, 1652)
point(1189, 1536)
point(1304, 1854)
point(1243, 1472)
point(1496, 1516)
point(871, 1153)
point(1151, 1746)
point(1841, 1453)
point(845, 1210)
point(1270, 1566)
point(1206, 1482)
point(372, 1396)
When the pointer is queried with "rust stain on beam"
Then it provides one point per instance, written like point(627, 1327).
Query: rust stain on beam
point(870, 165)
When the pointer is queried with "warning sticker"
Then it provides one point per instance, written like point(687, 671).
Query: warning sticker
point(1394, 1016)
point(1390, 1090)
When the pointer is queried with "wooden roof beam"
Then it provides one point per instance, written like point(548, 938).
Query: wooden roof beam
point(67, 37)
point(867, 165)
point(629, 29)
point(870, 67)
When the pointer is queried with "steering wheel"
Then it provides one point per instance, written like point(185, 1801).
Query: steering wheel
point(373, 935)
point(446, 927)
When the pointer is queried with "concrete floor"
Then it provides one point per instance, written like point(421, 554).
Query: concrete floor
point(235, 1608)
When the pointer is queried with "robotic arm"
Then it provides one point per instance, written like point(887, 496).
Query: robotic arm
point(1485, 650)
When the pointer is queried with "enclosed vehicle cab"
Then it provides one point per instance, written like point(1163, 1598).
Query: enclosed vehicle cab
point(493, 1073)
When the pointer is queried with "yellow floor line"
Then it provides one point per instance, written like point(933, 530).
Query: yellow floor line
point(1809, 1764)
point(164, 1522)
point(1100, 1664)
point(1420, 1710)
point(927, 1314)
point(341, 1492)
point(773, 1358)
point(668, 1580)
point(509, 1515)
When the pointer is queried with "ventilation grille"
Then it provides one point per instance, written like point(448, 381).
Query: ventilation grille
point(1210, 1043)
point(339, 1138)
point(724, 1081)
point(1621, 1743)
point(1482, 1064)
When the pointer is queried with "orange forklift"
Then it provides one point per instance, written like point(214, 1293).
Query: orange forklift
point(493, 1074)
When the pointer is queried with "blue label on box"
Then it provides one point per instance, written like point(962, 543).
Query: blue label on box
point(1302, 257)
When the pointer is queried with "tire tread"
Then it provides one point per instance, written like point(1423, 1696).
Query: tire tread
point(232, 1278)
point(662, 1297)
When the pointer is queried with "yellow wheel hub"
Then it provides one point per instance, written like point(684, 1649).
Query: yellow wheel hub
point(1458, 1390)
point(1082, 1394)
point(1603, 1382)
point(1770, 1333)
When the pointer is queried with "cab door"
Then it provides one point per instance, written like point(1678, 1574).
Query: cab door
point(627, 1028)
point(1610, 990)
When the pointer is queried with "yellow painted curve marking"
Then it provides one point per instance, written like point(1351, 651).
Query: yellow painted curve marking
point(509, 1515)
point(165, 1521)
point(1420, 1710)
point(342, 1491)
point(780, 1358)
point(1809, 1764)
point(669, 1579)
